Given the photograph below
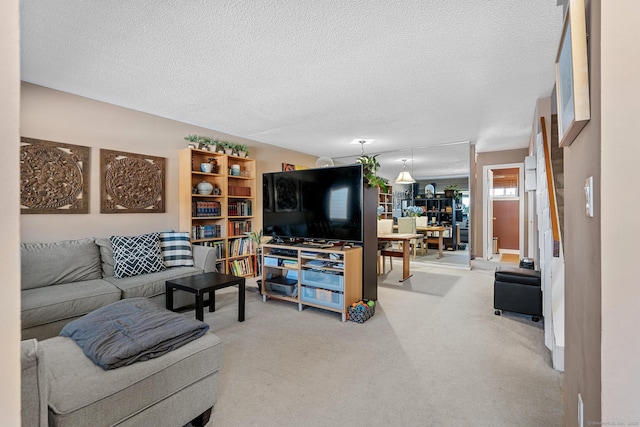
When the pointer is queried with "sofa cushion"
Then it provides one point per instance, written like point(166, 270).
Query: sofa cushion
point(152, 284)
point(66, 301)
point(134, 255)
point(81, 393)
point(106, 255)
point(176, 249)
point(44, 264)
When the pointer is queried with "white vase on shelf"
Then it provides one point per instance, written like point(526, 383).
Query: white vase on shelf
point(204, 187)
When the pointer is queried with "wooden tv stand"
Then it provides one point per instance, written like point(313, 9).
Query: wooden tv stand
point(327, 278)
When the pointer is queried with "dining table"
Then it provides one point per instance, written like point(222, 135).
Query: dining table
point(439, 239)
point(405, 253)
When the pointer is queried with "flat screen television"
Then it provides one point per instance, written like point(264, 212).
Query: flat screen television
point(321, 204)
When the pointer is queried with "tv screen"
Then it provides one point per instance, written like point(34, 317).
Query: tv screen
point(322, 204)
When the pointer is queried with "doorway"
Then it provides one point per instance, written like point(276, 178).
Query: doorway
point(503, 216)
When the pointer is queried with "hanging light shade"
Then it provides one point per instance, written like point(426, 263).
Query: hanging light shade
point(405, 177)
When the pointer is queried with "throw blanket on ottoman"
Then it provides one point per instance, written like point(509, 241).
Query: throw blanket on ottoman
point(131, 330)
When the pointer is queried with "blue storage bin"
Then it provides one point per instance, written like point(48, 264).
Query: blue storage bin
point(322, 297)
point(324, 280)
point(308, 293)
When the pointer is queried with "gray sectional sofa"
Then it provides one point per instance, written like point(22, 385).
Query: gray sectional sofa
point(64, 280)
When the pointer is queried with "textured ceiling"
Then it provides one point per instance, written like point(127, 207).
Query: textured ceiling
point(311, 75)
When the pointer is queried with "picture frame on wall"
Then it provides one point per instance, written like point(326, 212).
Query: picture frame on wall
point(572, 75)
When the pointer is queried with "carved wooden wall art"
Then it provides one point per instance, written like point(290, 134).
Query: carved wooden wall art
point(54, 177)
point(131, 183)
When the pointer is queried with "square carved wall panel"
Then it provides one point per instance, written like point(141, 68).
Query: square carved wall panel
point(131, 183)
point(54, 177)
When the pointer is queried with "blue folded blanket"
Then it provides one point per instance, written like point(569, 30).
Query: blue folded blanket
point(131, 330)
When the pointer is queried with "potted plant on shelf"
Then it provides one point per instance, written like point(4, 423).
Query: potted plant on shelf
point(213, 144)
point(414, 211)
point(242, 150)
point(227, 147)
point(370, 168)
point(205, 143)
point(194, 141)
point(452, 191)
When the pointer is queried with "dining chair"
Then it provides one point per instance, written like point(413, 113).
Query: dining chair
point(385, 226)
point(423, 222)
point(407, 225)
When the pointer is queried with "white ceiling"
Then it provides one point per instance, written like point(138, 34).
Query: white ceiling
point(311, 75)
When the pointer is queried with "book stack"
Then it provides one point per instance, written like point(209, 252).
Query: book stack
point(238, 228)
point(241, 267)
point(239, 247)
point(209, 231)
point(240, 208)
point(205, 208)
point(235, 190)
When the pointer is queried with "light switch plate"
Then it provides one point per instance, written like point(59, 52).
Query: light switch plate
point(588, 193)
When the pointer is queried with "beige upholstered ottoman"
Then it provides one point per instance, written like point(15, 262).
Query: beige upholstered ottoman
point(171, 390)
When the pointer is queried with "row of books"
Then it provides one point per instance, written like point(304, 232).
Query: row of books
point(235, 190)
point(206, 208)
point(240, 208)
point(242, 246)
point(238, 228)
point(208, 231)
point(241, 267)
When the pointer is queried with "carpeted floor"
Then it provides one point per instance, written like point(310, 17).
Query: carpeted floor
point(437, 284)
point(434, 354)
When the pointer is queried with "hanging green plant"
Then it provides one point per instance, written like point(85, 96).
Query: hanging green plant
point(452, 191)
point(370, 166)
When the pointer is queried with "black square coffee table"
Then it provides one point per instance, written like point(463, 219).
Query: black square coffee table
point(201, 284)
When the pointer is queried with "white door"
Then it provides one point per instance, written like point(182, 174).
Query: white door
point(488, 185)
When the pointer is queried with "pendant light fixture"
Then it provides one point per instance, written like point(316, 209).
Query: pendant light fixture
point(404, 177)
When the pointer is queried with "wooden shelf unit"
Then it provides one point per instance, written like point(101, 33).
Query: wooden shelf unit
point(444, 210)
point(327, 278)
point(220, 220)
point(386, 201)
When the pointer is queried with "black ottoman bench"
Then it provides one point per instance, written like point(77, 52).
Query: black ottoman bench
point(518, 290)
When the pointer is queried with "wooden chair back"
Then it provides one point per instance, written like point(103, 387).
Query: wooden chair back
point(385, 226)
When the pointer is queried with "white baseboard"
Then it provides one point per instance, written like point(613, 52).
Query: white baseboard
point(557, 356)
point(509, 251)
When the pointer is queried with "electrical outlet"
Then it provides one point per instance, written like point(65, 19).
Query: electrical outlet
point(580, 411)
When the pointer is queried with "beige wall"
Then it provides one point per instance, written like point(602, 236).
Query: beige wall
point(484, 159)
point(57, 116)
point(602, 293)
point(9, 217)
point(582, 250)
point(620, 115)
